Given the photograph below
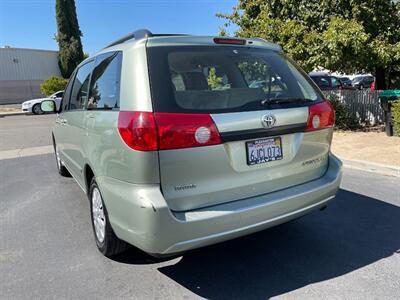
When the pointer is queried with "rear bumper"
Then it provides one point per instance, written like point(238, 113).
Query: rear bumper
point(140, 216)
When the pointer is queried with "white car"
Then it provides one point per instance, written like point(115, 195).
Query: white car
point(33, 106)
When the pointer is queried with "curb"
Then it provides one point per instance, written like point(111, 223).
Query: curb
point(6, 114)
point(363, 165)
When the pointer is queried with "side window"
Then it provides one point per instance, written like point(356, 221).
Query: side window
point(59, 94)
point(335, 82)
point(67, 94)
point(80, 87)
point(177, 81)
point(105, 82)
point(322, 82)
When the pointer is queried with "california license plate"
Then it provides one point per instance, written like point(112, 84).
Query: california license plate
point(264, 150)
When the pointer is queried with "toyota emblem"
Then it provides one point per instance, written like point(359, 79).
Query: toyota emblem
point(268, 121)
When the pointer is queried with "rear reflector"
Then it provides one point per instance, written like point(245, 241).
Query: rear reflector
point(320, 116)
point(229, 41)
point(145, 131)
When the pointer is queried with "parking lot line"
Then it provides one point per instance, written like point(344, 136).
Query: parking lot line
point(24, 152)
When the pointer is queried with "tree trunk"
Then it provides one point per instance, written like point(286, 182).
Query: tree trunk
point(380, 80)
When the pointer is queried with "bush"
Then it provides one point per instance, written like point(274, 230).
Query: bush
point(52, 85)
point(396, 116)
point(344, 119)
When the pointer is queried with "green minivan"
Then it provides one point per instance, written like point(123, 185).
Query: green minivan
point(183, 141)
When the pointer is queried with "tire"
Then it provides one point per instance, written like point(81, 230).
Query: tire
point(106, 240)
point(62, 170)
point(36, 110)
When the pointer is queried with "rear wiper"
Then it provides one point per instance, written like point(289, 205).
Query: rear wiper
point(285, 100)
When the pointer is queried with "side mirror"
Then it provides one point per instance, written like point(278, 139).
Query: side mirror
point(48, 106)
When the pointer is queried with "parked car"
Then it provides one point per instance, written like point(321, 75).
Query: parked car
point(363, 81)
point(345, 81)
point(171, 162)
point(33, 106)
point(327, 82)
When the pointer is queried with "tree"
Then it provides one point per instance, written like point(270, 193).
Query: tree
point(68, 37)
point(53, 84)
point(340, 35)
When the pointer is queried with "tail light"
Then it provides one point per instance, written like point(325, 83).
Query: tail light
point(320, 116)
point(145, 131)
point(138, 130)
point(186, 130)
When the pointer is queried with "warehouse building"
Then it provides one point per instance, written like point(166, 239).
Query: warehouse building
point(23, 70)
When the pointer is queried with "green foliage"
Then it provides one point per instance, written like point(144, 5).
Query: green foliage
point(343, 119)
point(52, 85)
point(214, 82)
point(396, 116)
point(341, 35)
point(68, 37)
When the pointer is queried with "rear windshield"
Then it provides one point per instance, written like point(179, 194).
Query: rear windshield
point(225, 79)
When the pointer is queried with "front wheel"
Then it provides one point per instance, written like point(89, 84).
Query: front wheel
point(36, 109)
point(106, 240)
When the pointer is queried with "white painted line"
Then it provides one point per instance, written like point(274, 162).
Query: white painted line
point(24, 152)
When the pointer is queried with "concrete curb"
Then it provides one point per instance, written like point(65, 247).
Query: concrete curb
point(371, 167)
point(7, 114)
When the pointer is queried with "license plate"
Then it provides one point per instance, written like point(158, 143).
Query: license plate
point(264, 150)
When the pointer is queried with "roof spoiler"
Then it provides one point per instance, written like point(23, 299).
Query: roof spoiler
point(139, 34)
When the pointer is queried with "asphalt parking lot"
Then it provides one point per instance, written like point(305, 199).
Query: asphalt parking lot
point(351, 250)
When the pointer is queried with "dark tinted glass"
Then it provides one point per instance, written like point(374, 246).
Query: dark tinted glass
point(335, 82)
point(67, 95)
point(223, 79)
point(321, 81)
point(80, 87)
point(105, 82)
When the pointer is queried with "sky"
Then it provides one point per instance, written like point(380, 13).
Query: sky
point(32, 24)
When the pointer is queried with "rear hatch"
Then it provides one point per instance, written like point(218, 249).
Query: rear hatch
point(234, 122)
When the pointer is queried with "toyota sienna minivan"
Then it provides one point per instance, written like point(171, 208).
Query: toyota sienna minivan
point(182, 141)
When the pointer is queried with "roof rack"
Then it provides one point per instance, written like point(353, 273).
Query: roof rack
point(139, 34)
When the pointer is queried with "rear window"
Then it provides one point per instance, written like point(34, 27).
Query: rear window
point(223, 79)
point(321, 81)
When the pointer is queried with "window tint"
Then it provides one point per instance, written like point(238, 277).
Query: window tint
point(369, 79)
point(258, 74)
point(105, 82)
point(322, 82)
point(223, 79)
point(59, 94)
point(80, 87)
point(335, 82)
point(67, 95)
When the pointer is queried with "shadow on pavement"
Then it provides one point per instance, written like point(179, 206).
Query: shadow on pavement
point(353, 232)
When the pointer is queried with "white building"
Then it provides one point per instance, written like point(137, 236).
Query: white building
point(23, 70)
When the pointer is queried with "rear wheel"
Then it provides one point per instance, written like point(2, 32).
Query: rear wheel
point(37, 110)
point(62, 170)
point(106, 240)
